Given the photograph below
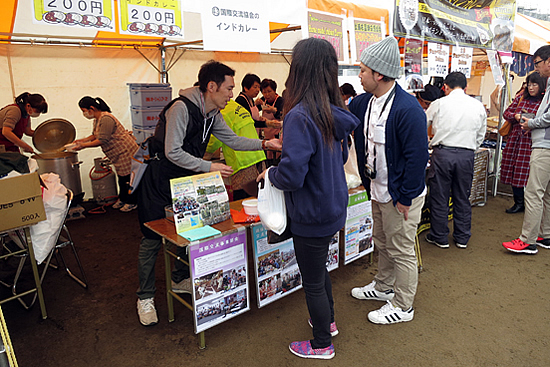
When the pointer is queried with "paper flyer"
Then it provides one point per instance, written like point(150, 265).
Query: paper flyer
point(461, 60)
point(199, 200)
point(219, 273)
point(438, 59)
point(276, 268)
point(358, 229)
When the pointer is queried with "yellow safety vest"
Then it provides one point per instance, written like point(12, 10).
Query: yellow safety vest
point(239, 120)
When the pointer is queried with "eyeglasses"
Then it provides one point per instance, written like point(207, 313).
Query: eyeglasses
point(538, 62)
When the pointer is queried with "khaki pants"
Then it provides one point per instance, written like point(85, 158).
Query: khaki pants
point(536, 221)
point(394, 237)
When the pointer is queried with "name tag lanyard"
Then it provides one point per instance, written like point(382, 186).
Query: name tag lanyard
point(390, 96)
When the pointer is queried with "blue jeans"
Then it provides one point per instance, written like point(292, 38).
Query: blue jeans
point(311, 254)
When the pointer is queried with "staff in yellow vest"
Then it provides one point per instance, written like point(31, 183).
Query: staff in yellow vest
point(246, 165)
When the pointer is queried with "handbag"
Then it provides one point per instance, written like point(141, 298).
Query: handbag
point(507, 125)
point(505, 128)
point(273, 237)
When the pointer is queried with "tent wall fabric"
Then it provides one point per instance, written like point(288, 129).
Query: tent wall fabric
point(64, 74)
point(530, 34)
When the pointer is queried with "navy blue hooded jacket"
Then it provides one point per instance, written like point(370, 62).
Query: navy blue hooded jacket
point(311, 173)
point(406, 145)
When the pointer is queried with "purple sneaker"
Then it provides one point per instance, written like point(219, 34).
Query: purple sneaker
point(304, 350)
point(333, 328)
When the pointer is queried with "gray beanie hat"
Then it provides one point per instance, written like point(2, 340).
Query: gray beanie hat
point(383, 57)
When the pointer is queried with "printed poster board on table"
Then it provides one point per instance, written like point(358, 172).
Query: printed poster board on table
point(199, 200)
point(358, 229)
point(219, 274)
point(276, 267)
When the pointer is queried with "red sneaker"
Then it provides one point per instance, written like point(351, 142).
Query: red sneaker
point(519, 246)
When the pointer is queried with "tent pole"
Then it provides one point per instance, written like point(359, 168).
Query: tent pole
point(163, 73)
point(498, 152)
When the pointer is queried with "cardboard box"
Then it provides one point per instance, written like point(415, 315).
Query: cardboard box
point(21, 201)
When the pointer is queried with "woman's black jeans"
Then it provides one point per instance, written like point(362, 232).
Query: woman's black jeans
point(311, 254)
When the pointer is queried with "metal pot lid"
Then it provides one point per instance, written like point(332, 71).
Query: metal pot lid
point(52, 135)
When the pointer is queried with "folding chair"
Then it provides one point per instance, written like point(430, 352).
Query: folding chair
point(61, 242)
point(64, 239)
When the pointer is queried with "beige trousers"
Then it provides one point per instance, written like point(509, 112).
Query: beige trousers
point(536, 221)
point(394, 237)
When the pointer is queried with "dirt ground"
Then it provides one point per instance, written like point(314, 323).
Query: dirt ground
point(481, 306)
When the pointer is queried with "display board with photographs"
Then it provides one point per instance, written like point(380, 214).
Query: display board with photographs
point(219, 272)
point(358, 229)
point(275, 266)
point(199, 200)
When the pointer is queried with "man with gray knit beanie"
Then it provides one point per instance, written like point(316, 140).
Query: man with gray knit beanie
point(392, 154)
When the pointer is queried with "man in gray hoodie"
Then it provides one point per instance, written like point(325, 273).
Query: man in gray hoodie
point(180, 141)
point(536, 222)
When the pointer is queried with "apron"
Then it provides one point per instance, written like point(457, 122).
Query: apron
point(18, 130)
point(254, 111)
point(271, 132)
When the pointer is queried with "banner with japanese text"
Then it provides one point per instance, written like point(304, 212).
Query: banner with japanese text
point(364, 33)
point(151, 18)
point(89, 14)
point(438, 59)
point(238, 25)
point(219, 271)
point(461, 60)
point(476, 23)
point(329, 27)
point(413, 64)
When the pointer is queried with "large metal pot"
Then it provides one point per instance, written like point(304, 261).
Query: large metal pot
point(50, 137)
point(66, 165)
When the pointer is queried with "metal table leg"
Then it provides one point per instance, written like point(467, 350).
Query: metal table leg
point(168, 276)
point(35, 273)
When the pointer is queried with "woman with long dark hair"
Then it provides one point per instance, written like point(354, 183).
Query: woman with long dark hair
point(514, 169)
point(311, 174)
point(117, 144)
point(15, 120)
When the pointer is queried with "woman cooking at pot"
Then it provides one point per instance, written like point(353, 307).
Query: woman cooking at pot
point(15, 121)
point(116, 142)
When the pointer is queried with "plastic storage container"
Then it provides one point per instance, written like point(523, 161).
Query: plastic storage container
point(145, 117)
point(142, 133)
point(150, 94)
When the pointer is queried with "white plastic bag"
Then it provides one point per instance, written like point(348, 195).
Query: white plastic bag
point(44, 234)
point(350, 168)
point(271, 206)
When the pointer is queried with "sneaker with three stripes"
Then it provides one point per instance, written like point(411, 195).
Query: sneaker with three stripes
point(368, 292)
point(543, 242)
point(390, 314)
